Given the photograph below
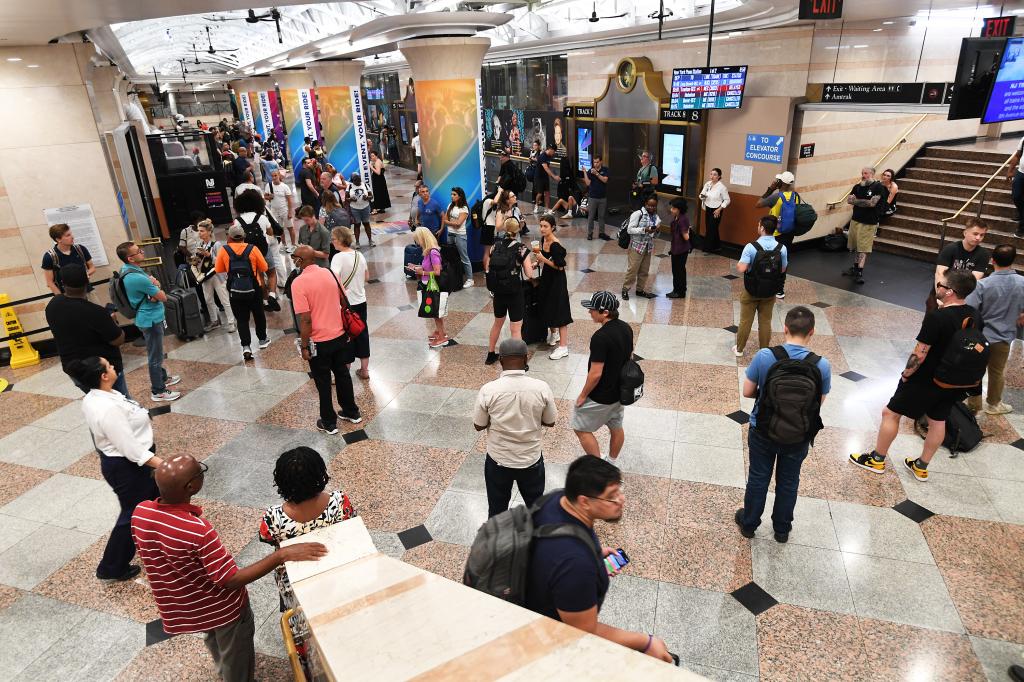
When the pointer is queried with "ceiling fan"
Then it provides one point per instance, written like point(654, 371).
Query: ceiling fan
point(593, 18)
point(211, 49)
point(251, 17)
point(220, 60)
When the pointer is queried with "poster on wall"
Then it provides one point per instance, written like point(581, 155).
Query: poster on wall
point(270, 114)
point(450, 136)
point(296, 106)
point(83, 226)
point(516, 130)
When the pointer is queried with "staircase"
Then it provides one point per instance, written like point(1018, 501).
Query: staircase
point(934, 186)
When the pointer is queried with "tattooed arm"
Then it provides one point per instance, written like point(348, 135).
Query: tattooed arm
point(916, 359)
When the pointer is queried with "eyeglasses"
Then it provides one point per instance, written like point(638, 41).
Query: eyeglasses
point(619, 498)
point(942, 286)
point(203, 468)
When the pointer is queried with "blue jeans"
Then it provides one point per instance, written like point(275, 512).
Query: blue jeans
point(462, 244)
point(786, 459)
point(155, 356)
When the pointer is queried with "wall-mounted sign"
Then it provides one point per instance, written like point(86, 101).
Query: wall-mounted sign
point(999, 27)
point(821, 9)
point(82, 222)
point(934, 93)
point(579, 111)
point(683, 115)
point(764, 148)
point(807, 150)
point(398, 106)
point(873, 93)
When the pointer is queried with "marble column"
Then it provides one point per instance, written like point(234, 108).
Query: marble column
point(341, 115)
point(298, 107)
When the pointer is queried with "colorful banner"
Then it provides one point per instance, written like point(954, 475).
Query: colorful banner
point(516, 130)
point(295, 132)
point(310, 119)
point(271, 114)
point(258, 126)
point(359, 120)
point(243, 99)
point(450, 137)
point(341, 115)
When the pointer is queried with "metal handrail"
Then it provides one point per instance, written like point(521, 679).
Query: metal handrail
point(981, 204)
point(902, 138)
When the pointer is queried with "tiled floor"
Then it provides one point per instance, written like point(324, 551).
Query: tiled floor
point(860, 592)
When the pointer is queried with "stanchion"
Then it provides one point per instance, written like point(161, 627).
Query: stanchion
point(22, 352)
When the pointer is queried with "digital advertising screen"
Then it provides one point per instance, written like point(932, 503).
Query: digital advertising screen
point(975, 72)
point(403, 128)
point(584, 147)
point(1006, 101)
point(713, 87)
point(673, 158)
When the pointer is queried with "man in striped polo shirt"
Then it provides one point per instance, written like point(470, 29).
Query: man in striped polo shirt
point(196, 584)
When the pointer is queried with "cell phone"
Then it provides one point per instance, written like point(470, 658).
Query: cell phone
point(616, 561)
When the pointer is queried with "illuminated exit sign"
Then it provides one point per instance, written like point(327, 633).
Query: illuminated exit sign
point(821, 9)
point(998, 27)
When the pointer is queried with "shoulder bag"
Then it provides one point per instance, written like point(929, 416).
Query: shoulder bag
point(354, 325)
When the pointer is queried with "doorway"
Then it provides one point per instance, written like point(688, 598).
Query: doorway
point(625, 141)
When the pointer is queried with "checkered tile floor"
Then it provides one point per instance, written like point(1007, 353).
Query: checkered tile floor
point(884, 577)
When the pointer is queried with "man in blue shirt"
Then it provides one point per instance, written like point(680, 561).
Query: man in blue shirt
point(999, 298)
point(596, 180)
point(147, 298)
point(430, 213)
point(566, 580)
point(757, 295)
point(766, 454)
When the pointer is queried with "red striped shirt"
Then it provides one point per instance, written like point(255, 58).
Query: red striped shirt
point(187, 566)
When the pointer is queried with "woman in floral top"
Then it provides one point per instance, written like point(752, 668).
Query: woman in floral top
point(300, 476)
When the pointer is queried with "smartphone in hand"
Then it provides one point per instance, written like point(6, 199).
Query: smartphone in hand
point(616, 561)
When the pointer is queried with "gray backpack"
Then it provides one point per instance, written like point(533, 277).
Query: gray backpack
point(499, 560)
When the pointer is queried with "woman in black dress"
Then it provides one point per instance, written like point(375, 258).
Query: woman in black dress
point(554, 290)
point(379, 186)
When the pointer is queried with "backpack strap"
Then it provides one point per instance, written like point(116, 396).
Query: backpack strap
point(566, 530)
point(780, 353)
point(778, 247)
point(812, 359)
point(757, 246)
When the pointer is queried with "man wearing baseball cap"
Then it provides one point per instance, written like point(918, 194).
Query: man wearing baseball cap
point(781, 196)
point(245, 267)
point(598, 404)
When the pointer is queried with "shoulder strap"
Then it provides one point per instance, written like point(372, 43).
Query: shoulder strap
point(812, 359)
point(778, 247)
point(566, 530)
point(355, 267)
point(757, 246)
point(780, 353)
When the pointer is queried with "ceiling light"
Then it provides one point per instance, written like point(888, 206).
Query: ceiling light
point(877, 30)
point(14, 59)
point(32, 66)
point(857, 47)
point(888, 23)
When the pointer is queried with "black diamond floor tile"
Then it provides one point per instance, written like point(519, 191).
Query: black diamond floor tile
point(291, 330)
point(405, 307)
point(155, 632)
point(6, 388)
point(637, 357)
point(822, 305)
point(355, 436)
point(414, 537)
point(739, 416)
point(732, 329)
point(157, 411)
point(853, 376)
point(662, 255)
point(373, 281)
point(754, 598)
point(913, 511)
point(587, 270)
point(1019, 444)
point(730, 276)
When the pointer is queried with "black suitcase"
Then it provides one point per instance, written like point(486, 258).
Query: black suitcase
point(453, 276)
point(184, 316)
point(533, 330)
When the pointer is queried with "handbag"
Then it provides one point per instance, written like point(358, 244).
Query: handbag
point(433, 301)
point(354, 325)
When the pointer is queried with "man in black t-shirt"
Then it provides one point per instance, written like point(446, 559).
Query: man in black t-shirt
point(966, 254)
point(566, 579)
point(83, 329)
point(598, 403)
point(308, 184)
point(865, 197)
point(918, 394)
point(64, 252)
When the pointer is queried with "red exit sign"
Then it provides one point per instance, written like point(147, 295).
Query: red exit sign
point(821, 9)
point(998, 27)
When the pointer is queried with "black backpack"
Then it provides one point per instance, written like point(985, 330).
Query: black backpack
point(452, 275)
point(499, 559)
point(517, 183)
point(631, 381)
point(241, 278)
point(804, 218)
point(962, 431)
point(789, 411)
point(623, 236)
point(254, 234)
point(764, 276)
point(476, 212)
point(504, 274)
point(966, 358)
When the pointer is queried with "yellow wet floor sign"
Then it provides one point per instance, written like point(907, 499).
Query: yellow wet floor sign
point(22, 352)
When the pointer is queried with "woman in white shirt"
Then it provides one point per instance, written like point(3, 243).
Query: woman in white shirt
point(455, 218)
point(213, 283)
point(350, 267)
point(715, 198)
point(123, 436)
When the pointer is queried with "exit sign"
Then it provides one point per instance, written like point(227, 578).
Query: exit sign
point(998, 27)
point(821, 9)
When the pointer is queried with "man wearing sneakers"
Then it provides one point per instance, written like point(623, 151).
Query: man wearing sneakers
point(147, 298)
point(776, 441)
point(316, 298)
point(244, 266)
point(999, 298)
point(599, 404)
point(918, 393)
point(865, 198)
point(596, 180)
point(782, 198)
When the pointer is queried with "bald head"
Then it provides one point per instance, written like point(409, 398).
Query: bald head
point(304, 256)
point(179, 478)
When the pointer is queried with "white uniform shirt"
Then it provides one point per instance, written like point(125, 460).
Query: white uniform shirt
point(716, 195)
point(279, 198)
point(119, 426)
point(514, 408)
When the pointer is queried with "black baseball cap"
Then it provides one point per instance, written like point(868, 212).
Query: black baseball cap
point(602, 301)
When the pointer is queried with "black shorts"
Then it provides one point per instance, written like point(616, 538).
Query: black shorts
point(487, 235)
point(511, 305)
point(915, 399)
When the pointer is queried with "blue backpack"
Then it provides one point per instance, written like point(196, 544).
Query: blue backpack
point(787, 213)
point(241, 278)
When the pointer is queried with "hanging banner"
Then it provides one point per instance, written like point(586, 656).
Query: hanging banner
point(362, 146)
point(310, 120)
point(450, 136)
point(243, 98)
point(267, 112)
point(258, 127)
point(341, 115)
point(291, 110)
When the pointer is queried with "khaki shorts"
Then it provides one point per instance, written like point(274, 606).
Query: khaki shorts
point(591, 416)
point(861, 237)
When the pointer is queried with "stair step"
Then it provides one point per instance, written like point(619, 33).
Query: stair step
point(948, 177)
point(965, 154)
point(999, 231)
point(958, 165)
point(921, 252)
point(997, 192)
point(990, 214)
point(953, 204)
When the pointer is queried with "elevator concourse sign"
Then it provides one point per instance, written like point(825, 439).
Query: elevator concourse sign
point(821, 9)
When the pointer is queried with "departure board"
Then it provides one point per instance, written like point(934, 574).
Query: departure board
point(713, 87)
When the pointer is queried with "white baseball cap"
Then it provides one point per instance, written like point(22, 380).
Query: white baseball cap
point(786, 177)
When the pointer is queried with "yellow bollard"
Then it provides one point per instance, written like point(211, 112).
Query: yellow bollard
point(22, 352)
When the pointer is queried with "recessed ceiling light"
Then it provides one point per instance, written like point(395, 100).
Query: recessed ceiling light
point(32, 66)
point(877, 30)
point(887, 23)
point(14, 59)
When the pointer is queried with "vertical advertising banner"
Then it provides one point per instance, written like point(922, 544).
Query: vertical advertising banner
point(292, 112)
point(450, 136)
point(258, 126)
point(309, 119)
point(243, 99)
point(341, 141)
point(276, 122)
point(362, 148)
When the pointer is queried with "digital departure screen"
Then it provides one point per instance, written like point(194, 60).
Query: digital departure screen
point(1006, 101)
point(713, 87)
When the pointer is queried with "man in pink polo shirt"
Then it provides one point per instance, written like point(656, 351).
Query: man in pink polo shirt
point(316, 300)
point(196, 583)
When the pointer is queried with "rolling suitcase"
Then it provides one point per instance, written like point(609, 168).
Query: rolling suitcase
point(413, 256)
point(184, 316)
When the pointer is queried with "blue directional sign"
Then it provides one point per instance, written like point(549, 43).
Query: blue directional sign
point(764, 148)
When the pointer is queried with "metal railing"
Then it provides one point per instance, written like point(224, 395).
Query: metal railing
point(902, 139)
point(981, 203)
